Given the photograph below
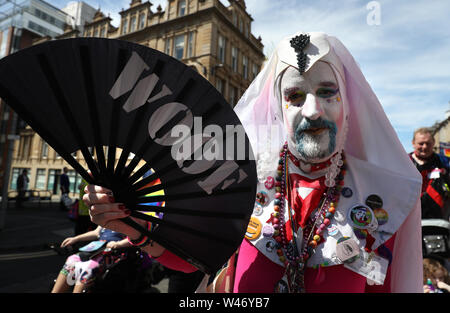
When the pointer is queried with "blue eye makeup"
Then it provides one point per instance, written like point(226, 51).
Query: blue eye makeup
point(295, 96)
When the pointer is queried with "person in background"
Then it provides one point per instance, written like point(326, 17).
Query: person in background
point(435, 277)
point(78, 272)
point(22, 187)
point(64, 184)
point(435, 175)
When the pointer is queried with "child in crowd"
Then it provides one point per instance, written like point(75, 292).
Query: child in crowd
point(435, 277)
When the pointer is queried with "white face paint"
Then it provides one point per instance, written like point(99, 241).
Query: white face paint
point(313, 112)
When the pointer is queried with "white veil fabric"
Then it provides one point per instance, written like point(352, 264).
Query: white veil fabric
point(371, 142)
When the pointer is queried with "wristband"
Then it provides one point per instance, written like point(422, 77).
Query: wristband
point(143, 240)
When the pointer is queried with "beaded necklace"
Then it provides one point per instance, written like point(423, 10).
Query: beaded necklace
point(294, 254)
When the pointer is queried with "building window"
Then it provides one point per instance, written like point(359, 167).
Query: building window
point(14, 174)
point(44, 16)
point(222, 46)
point(4, 43)
point(233, 95)
point(71, 174)
point(52, 183)
point(245, 66)
point(190, 49)
point(255, 70)
point(179, 47)
point(96, 32)
point(241, 26)
point(141, 20)
point(40, 179)
point(103, 32)
point(133, 23)
point(219, 85)
point(234, 56)
point(74, 181)
point(167, 50)
point(181, 7)
point(44, 150)
point(25, 147)
point(124, 26)
point(40, 29)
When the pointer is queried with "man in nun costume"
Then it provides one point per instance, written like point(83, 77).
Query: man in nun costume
point(337, 206)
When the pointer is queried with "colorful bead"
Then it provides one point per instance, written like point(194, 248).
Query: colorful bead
point(286, 254)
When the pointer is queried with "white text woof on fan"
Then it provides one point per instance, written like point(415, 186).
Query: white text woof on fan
point(194, 147)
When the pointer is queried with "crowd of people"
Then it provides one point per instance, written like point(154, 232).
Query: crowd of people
point(435, 204)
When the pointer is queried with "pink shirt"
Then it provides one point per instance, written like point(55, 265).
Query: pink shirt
point(255, 273)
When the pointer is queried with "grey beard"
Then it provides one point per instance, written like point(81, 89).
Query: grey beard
point(315, 147)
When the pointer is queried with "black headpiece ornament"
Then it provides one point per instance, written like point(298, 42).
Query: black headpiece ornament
point(299, 43)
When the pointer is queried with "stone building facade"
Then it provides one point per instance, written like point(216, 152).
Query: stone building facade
point(214, 39)
point(441, 133)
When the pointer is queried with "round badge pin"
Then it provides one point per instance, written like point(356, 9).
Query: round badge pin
point(361, 216)
point(332, 230)
point(258, 209)
point(253, 229)
point(271, 245)
point(262, 198)
point(268, 230)
point(269, 183)
point(346, 192)
point(360, 233)
point(381, 215)
point(374, 201)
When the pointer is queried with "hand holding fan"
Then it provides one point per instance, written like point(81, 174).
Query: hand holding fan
point(141, 112)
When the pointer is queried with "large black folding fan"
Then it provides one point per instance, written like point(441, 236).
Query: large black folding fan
point(122, 105)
